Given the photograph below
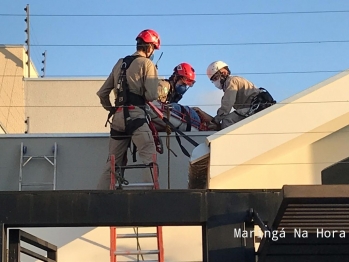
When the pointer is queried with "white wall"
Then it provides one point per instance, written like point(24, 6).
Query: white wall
point(284, 143)
point(65, 106)
point(12, 114)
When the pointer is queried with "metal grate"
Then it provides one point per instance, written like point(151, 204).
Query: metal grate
point(315, 220)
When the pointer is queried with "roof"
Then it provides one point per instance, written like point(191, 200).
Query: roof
point(294, 122)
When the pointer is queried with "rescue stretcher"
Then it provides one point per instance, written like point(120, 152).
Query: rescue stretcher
point(158, 121)
point(181, 117)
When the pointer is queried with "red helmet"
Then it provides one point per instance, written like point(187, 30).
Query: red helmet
point(187, 72)
point(150, 36)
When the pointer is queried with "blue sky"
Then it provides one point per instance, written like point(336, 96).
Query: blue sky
point(233, 38)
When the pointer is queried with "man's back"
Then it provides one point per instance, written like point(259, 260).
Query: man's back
point(142, 77)
point(241, 90)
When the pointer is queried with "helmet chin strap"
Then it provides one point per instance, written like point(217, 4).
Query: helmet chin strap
point(151, 55)
point(223, 78)
point(174, 80)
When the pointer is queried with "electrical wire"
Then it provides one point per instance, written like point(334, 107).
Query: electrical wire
point(184, 14)
point(37, 56)
point(201, 44)
point(204, 74)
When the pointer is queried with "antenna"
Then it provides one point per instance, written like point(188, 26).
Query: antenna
point(27, 41)
point(156, 65)
point(44, 64)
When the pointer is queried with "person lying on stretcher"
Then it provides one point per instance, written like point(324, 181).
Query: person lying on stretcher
point(170, 92)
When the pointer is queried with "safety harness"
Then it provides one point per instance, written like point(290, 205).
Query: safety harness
point(126, 99)
point(174, 129)
point(186, 118)
point(261, 102)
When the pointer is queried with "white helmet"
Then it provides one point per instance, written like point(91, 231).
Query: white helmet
point(214, 67)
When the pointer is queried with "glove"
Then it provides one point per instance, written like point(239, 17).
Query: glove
point(213, 126)
point(214, 121)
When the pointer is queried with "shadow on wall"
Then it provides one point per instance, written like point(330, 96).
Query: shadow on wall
point(11, 56)
point(331, 155)
point(56, 235)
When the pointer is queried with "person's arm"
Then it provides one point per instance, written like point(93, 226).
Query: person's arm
point(151, 82)
point(163, 90)
point(203, 115)
point(228, 101)
point(207, 119)
point(104, 92)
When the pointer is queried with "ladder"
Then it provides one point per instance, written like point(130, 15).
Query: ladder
point(117, 182)
point(25, 159)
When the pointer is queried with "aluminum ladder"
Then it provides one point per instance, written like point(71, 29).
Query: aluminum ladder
point(25, 159)
point(118, 182)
